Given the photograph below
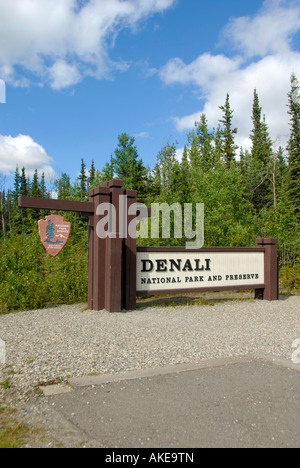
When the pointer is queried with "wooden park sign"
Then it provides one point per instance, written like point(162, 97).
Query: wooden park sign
point(119, 271)
point(54, 232)
point(166, 269)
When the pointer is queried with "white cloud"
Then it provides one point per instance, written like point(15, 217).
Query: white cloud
point(215, 76)
point(60, 42)
point(142, 135)
point(271, 77)
point(205, 69)
point(23, 151)
point(63, 75)
point(269, 32)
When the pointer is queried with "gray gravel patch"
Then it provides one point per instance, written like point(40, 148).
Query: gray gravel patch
point(65, 342)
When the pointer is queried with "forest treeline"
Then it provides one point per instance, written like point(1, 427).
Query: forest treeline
point(247, 194)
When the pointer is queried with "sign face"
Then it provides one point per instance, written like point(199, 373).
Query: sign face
point(158, 271)
point(54, 233)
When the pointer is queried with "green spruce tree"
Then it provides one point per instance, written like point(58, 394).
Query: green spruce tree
point(108, 170)
point(82, 180)
point(63, 187)
point(228, 133)
point(260, 165)
point(24, 189)
point(166, 165)
point(126, 163)
point(35, 193)
point(92, 176)
point(293, 147)
point(201, 141)
point(15, 212)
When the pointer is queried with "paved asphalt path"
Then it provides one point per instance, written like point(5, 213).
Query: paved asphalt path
point(246, 402)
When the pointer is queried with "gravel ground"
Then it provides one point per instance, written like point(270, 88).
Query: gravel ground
point(69, 341)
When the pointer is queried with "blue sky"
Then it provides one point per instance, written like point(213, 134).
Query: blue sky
point(79, 73)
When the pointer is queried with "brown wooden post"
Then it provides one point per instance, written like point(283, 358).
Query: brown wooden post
point(91, 264)
point(271, 290)
point(97, 247)
point(129, 280)
point(114, 253)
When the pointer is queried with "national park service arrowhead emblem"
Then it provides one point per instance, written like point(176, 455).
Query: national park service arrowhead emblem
point(54, 232)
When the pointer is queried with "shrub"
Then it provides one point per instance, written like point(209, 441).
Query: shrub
point(30, 279)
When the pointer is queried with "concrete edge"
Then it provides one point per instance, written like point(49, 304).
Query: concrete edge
point(88, 381)
point(278, 361)
point(52, 390)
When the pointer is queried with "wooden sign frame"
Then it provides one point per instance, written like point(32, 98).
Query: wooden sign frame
point(112, 277)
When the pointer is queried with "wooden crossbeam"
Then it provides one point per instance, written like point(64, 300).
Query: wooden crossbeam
point(60, 205)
